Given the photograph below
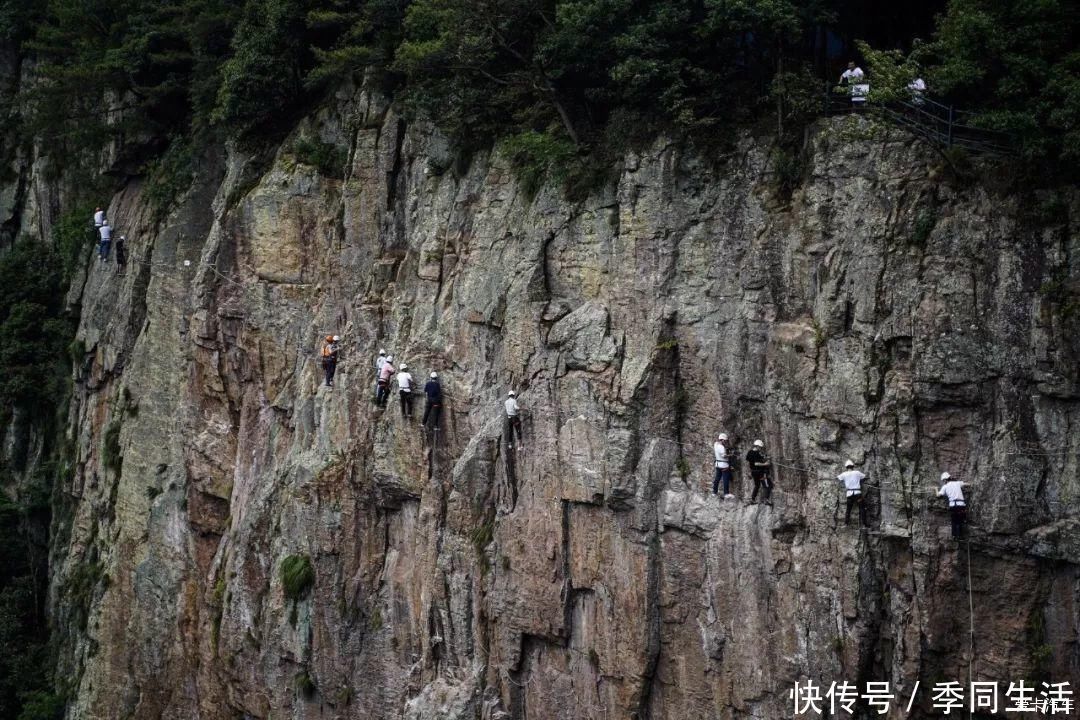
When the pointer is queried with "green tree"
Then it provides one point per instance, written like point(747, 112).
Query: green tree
point(261, 82)
point(1018, 64)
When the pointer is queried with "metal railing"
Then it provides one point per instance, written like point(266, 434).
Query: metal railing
point(939, 124)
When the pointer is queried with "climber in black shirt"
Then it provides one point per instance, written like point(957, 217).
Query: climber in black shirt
point(433, 404)
point(761, 472)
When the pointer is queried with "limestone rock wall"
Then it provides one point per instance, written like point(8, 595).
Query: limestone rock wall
point(882, 313)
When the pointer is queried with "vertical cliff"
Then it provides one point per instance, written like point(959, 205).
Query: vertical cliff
point(885, 312)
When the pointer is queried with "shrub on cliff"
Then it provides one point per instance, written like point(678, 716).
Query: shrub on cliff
point(297, 576)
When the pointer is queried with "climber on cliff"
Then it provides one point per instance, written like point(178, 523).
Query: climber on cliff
point(378, 369)
point(722, 464)
point(953, 489)
point(105, 240)
point(105, 233)
point(852, 479)
point(404, 383)
point(99, 217)
point(330, 358)
point(433, 403)
point(761, 472)
point(385, 373)
point(121, 254)
point(513, 419)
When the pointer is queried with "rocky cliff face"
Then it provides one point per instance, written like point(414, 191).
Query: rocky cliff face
point(883, 313)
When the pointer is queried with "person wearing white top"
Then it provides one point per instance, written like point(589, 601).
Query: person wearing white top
point(378, 370)
point(917, 87)
point(855, 79)
point(99, 218)
point(953, 489)
point(404, 383)
point(853, 74)
point(722, 473)
point(106, 239)
point(852, 479)
point(512, 418)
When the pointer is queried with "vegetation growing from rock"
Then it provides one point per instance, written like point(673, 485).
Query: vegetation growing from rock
point(297, 576)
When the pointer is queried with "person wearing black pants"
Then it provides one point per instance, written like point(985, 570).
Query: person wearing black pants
point(513, 420)
point(121, 255)
point(405, 381)
point(330, 358)
point(852, 480)
point(954, 490)
point(760, 471)
point(433, 404)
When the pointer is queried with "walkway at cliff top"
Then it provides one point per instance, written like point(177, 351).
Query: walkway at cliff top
point(941, 125)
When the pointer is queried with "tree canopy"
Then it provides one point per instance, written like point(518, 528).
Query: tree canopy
point(575, 71)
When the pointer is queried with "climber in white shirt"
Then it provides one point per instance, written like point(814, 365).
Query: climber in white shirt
point(722, 474)
point(513, 418)
point(852, 480)
point(953, 489)
point(405, 383)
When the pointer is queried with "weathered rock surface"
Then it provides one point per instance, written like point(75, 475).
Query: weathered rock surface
point(587, 574)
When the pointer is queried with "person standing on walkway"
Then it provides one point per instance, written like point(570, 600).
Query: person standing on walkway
point(761, 472)
point(722, 465)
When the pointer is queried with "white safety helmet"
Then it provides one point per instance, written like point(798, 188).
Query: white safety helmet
point(849, 463)
point(945, 476)
point(511, 394)
point(381, 351)
point(389, 358)
point(336, 338)
point(758, 443)
point(404, 366)
point(434, 375)
point(722, 436)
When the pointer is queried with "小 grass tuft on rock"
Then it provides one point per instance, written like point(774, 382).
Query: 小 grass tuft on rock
point(297, 576)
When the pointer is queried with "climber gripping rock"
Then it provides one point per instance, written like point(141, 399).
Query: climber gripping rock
point(330, 358)
point(761, 472)
point(385, 373)
point(105, 234)
point(405, 382)
point(852, 480)
point(513, 419)
point(722, 466)
point(953, 490)
point(433, 403)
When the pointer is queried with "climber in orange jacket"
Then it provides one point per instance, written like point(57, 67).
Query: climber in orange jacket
point(330, 358)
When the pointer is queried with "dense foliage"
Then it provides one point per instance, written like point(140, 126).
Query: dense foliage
point(1016, 62)
point(34, 371)
point(553, 73)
